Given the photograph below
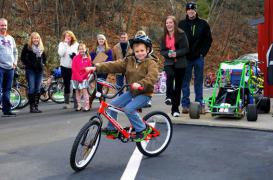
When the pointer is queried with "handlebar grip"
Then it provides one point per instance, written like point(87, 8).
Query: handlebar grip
point(139, 88)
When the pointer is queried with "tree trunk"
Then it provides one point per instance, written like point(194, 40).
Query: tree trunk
point(57, 24)
point(131, 15)
point(2, 8)
point(29, 16)
point(93, 26)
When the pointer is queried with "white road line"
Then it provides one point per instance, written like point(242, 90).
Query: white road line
point(132, 166)
point(134, 163)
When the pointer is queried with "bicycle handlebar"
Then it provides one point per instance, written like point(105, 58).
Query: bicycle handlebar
point(109, 85)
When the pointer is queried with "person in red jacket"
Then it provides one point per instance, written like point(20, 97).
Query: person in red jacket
point(79, 77)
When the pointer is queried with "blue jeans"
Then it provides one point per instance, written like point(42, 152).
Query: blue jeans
point(120, 82)
point(198, 66)
point(6, 78)
point(130, 104)
point(34, 80)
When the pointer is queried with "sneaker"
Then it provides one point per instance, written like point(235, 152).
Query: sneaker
point(66, 106)
point(8, 114)
point(78, 109)
point(185, 110)
point(85, 110)
point(149, 104)
point(140, 136)
point(176, 114)
point(168, 101)
point(108, 132)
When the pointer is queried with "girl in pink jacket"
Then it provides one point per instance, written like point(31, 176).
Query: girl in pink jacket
point(80, 77)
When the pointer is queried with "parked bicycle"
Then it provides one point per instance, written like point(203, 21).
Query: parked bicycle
point(87, 140)
point(210, 80)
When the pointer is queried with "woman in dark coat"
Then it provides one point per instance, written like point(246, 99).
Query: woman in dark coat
point(33, 58)
point(174, 47)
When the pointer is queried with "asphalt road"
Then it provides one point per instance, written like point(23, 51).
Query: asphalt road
point(37, 146)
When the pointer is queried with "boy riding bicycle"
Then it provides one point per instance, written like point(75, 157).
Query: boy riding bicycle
point(141, 70)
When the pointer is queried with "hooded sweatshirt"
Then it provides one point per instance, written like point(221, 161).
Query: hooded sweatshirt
point(8, 52)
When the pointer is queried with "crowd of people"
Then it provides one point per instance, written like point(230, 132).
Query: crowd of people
point(183, 46)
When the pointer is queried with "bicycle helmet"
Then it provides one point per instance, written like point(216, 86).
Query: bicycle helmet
point(191, 5)
point(141, 39)
point(57, 72)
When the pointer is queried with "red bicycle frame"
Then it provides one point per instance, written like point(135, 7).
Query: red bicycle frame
point(104, 105)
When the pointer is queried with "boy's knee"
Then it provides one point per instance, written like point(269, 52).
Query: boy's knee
point(128, 110)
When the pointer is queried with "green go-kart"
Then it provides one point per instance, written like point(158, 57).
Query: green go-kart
point(236, 92)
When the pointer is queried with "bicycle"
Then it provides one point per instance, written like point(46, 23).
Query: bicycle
point(87, 140)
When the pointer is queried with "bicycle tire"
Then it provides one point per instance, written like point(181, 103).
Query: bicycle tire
point(89, 149)
point(15, 99)
point(92, 87)
point(56, 92)
point(44, 96)
point(162, 122)
point(23, 89)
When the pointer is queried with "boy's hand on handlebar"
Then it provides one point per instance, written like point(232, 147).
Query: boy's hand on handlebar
point(136, 86)
point(90, 69)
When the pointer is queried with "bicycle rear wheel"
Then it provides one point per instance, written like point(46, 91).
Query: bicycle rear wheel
point(23, 89)
point(161, 136)
point(85, 145)
point(56, 92)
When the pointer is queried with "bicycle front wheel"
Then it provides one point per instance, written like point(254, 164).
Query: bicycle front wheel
point(160, 136)
point(85, 145)
point(56, 92)
point(15, 98)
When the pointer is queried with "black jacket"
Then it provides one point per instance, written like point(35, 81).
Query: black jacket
point(30, 61)
point(199, 36)
point(182, 48)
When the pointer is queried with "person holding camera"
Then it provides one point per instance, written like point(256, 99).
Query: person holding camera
point(102, 49)
point(33, 58)
point(67, 49)
point(174, 47)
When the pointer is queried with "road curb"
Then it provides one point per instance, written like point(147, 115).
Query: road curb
point(231, 123)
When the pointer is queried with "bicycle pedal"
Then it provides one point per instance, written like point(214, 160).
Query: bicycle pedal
point(110, 137)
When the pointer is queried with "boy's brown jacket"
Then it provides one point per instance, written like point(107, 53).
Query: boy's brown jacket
point(145, 73)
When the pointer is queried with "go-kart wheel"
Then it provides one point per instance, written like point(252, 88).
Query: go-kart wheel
point(194, 110)
point(265, 104)
point(252, 114)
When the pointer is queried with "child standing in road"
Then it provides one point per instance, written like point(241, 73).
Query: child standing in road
point(79, 78)
point(141, 70)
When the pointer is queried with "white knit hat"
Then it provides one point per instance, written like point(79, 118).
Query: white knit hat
point(101, 36)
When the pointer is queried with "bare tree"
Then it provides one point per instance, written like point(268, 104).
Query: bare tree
point(93, 19)
point(57, 23)
point(133, 7)
point(2, 7)
point(29, 16)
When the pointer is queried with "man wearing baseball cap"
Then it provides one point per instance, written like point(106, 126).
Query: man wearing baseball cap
point(199, 37)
